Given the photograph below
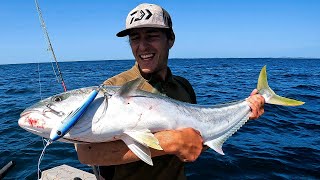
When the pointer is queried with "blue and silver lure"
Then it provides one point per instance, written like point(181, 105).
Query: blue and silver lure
point(67, 124)
point(72, 118)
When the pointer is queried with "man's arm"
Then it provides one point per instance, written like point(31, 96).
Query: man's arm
point(186, 144)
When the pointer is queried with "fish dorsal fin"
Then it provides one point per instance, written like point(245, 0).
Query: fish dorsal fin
point(143, 152)
point(155, 91)
point(145, 137)
point(130, 87)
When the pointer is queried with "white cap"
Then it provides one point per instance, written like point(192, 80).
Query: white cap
point(146, 15)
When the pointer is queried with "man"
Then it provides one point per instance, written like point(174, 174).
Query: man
point(151, 36)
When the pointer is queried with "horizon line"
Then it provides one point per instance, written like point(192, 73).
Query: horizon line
point(174, 58)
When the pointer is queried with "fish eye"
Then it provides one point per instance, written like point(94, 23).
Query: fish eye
point(57, 99)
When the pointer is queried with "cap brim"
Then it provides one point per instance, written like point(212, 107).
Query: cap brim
point(127, 31)
point(123, 33)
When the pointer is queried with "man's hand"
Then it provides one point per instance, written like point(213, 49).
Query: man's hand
point(256, 103)
point(187, 144)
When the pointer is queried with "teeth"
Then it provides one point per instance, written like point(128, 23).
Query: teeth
point(144, 56)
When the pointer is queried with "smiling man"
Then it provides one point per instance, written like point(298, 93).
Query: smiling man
point(151, 36)
point(150, 48)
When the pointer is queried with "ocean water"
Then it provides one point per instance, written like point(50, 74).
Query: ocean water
point(283, 144)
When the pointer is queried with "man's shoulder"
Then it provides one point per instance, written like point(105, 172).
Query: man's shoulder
point(180, 78)
point(187, 86)
point(183, 81)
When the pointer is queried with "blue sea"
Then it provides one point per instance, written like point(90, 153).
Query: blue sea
point(283, 144)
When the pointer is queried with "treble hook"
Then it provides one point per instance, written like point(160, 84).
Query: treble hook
point(58, 113)
point(106, 94)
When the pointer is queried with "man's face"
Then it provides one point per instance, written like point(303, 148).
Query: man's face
point(150, 47)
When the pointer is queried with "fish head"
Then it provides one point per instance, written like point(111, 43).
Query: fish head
point(49, 113)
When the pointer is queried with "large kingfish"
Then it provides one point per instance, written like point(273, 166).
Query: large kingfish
point(128, 114)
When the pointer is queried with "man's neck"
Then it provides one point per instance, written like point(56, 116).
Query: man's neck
point(159, 75)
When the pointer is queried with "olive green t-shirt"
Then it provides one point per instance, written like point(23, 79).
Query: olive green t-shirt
point(164, 167)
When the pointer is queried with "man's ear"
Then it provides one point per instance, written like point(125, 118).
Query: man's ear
point(172, 39)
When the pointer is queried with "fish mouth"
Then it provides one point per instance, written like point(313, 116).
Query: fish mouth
point(25, 113)
point(33, 130)
point(32, 120)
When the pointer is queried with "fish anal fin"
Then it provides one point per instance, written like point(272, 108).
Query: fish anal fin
point(215, 145)
point(145, 137)
point(143, 152)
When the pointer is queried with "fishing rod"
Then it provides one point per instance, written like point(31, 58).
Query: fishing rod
point(43, 25)
point(75, 115)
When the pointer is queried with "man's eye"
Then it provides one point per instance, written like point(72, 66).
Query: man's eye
point(134, 38)
point(153, 35)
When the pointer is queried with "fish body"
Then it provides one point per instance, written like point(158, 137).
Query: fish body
point(129, 114)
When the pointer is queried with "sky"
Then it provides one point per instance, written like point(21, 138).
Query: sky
point(85, 30)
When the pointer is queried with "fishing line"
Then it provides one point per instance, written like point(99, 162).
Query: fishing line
point(41, 156)
point(54, 71)
point(43, 25)
point(96, 171)
point(39, 79)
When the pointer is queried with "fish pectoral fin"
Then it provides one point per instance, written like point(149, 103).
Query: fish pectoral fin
point(145, 137)
point(143, 152)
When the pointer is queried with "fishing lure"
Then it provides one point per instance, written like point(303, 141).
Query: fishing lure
point(67, 124)
point(72, 118)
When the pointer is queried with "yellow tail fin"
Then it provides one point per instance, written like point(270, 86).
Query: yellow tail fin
point(269, 95)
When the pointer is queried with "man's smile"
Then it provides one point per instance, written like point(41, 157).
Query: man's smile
point(147, 56)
